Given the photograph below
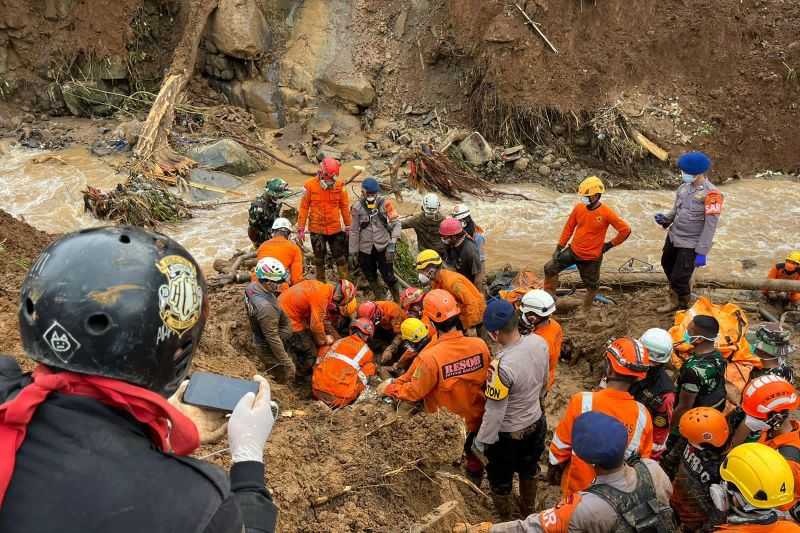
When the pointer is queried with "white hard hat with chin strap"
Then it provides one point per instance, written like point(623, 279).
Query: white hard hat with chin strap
point(537, 301)
point(430, 203)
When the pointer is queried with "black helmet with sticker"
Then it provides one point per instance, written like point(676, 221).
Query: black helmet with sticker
point(118, 302)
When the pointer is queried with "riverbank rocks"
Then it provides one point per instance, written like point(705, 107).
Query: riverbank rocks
point(475, 149)
point(225, 155)
point(353, 87)
point(239, 29)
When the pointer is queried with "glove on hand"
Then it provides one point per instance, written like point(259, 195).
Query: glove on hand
point(557, 252)
point(700, 261)
point(301, 234)
point(661, 220)
point(607, 246)
point(251, 424)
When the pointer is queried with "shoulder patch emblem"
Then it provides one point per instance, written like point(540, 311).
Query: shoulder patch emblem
point(660, 422)
point(713, 203)
point(495, 388)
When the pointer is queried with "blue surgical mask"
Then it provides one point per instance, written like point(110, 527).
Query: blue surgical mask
point(586, 200)
point(687, 178)
point(687, 338)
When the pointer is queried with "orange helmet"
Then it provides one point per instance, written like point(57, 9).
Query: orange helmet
point(628, 357)
point(363, 326)
point(768, 394)
point(440, 305)
point(411, 296)
point(344, 292)
point(704, 425)
point(370, 311)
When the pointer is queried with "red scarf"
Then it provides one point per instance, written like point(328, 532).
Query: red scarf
point(171, 430)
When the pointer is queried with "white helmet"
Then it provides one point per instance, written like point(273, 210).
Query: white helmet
point(430, 203)
point(270, 269)
point(539, 302)
point(460, 211)
point(659, 343)
point(282, 223)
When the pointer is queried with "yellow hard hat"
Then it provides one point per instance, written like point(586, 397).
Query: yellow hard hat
point(794, 256)
point(413, 330)
point(761, 474)
point(591, 186)
point(427, 258)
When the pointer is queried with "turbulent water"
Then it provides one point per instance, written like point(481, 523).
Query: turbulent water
point(756, 221)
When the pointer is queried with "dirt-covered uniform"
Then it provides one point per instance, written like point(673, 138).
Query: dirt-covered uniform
point(269, 323)
point(262, 213)
point(693, 221)
point(514, 426)
point(427, 231)
point(590, 511)
point(691, 499)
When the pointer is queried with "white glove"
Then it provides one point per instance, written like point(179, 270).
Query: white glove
point(250, 424)
point(754, 424)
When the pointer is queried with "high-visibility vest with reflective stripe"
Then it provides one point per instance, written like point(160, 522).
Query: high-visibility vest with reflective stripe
point(641, 423)
point(341, 375)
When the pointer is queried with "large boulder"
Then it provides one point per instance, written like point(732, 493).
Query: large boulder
point(353, 87)
point(225, 155)
point(262, 99)
point(475, 149)
point(239, 29)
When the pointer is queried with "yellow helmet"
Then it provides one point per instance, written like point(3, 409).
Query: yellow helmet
point(794, 256)
point(427, 258)
point(413, 330)
point(591, 186)
point(761, 474)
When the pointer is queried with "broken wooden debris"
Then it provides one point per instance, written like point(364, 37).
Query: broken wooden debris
point(536, 27)
point(649, 145)
point(434, 517)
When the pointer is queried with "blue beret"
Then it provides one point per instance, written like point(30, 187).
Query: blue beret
point(694, 163)
point(599, 439)
point(498, 313)
point(371, 185)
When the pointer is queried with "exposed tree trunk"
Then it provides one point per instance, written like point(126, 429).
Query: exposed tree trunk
point(153, 146)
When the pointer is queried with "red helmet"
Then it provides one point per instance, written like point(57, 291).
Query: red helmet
point(344, 292)
point(628, 357)
point(440, 305)
point(329, 167)
point(363, 326)
point(450, 227)
point(411, 296)
point(768, 394)
point(371, 311)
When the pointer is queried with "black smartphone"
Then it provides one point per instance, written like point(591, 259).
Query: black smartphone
point(214, 391)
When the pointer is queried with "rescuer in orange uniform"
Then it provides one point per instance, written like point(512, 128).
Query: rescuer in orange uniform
point(387, 317)
point(431, 271)
point(586, 226)
point(626, 362)
point(789, 269)
point(411, 303)
point(450, 373)
point(326, 208)
point(536, 310)
point(284, 250)
point(306, 305)
point(342, 373)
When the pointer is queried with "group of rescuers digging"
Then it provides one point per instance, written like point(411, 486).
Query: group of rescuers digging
point(98, 438)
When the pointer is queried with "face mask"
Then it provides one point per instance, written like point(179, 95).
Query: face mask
point(603, 383)
point(719, 496)
point(425, 280)
point(687, 178)
point(371, 200)
point(586, 200)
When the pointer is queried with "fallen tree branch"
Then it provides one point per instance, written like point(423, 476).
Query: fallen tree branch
point(307, 171)
point(434, 517)
point(461, 479)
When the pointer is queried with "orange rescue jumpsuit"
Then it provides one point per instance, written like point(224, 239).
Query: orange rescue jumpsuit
point(788, 444)
point(781, 526)
point(285, 251)
point(778, 272)
point(322, 208)
point(306, 305)
point(342, 373)
point(450, 374)
point(578, 475)
point(551, 331)
point(469, 298)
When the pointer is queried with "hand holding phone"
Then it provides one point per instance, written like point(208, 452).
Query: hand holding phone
point(211, 424)
point(251, 424)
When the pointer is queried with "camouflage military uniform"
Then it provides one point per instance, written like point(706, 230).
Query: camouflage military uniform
point(704, 375)
point(263, 212)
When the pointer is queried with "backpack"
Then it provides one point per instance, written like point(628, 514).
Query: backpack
point(638, 511)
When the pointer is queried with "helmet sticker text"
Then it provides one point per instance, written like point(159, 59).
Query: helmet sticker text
point(180, 299)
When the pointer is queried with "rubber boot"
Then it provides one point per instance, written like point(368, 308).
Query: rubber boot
point(378, 291)
point(395, 290)
point(319, 268)
point(527, 497)
point(670, 305)
point(503, 505)
point(683, 302)
point(342, 270)
point(588, 300)
point(550, 285)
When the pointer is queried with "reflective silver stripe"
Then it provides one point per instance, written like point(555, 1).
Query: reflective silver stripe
point(352, 363)
point(636, 440)
point(559, 443)
point(586, 402)
point(552, 459)
point(361, 353)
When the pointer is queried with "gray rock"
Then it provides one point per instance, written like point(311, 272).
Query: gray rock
point(475, 149)
point(544, 170)
point(225, 155)
point(320, 126)
point(129, 131)
point(555, 165)
point(521, 164)
point(268, 120)
point(91, 98)
point(57, 9)
point(239, 29)
point(353, 87)
point(213, 178)
point(260, 96)
point(549, 158)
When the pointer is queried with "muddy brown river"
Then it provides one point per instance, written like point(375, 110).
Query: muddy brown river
point(756, 220)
